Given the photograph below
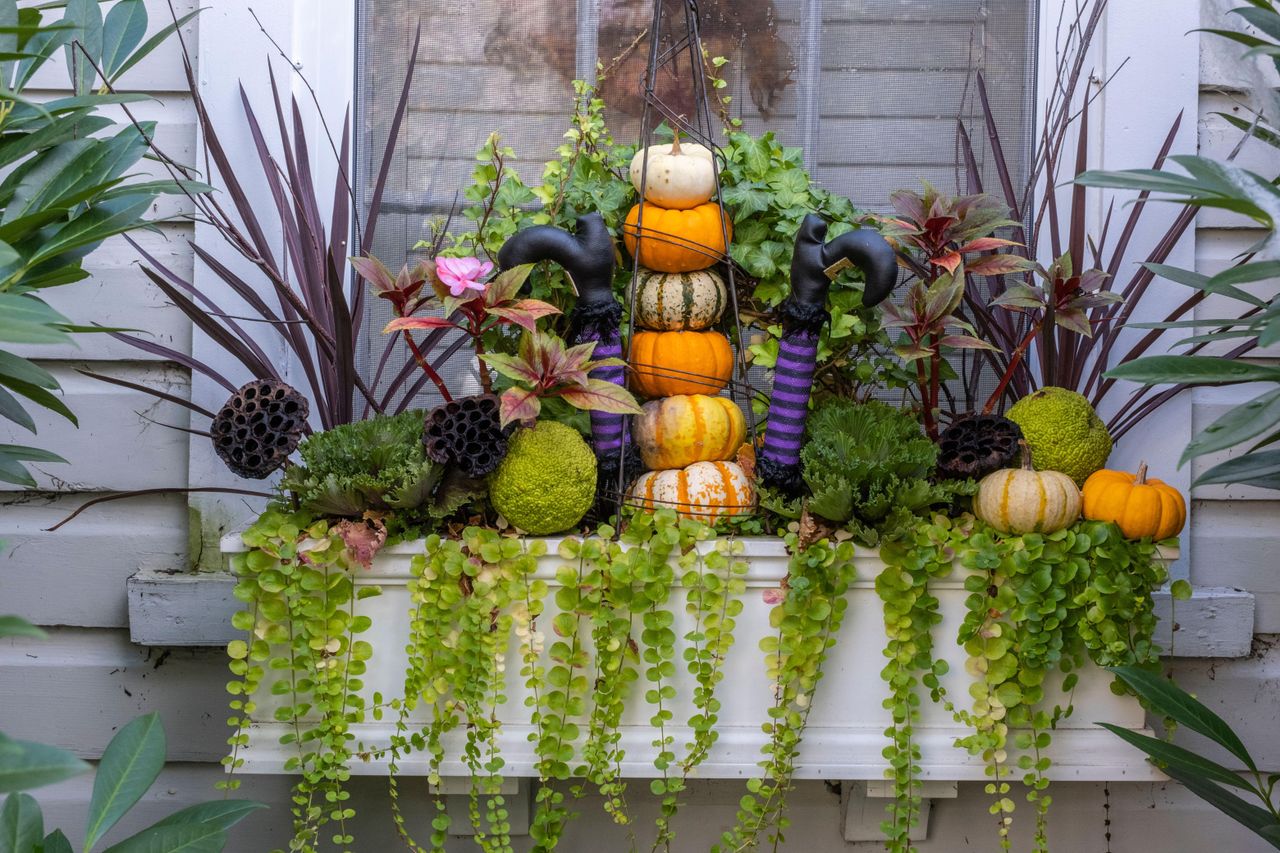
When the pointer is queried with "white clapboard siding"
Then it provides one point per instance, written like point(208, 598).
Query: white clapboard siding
point(1234, 543)
point(76, 575)
point(76, 687)
point(116, 447)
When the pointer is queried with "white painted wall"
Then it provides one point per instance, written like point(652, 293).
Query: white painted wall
point(87, 680)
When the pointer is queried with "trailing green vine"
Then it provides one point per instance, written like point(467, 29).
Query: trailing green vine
point(297, 578)
point(806, 622)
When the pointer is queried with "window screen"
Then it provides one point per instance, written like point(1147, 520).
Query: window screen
point(870, 89)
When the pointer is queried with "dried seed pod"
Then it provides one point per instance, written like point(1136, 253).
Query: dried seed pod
point(977, 445)
point(466, 433)
point(258, 427)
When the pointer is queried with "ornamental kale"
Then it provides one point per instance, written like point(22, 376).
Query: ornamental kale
point(868, 466)
point(379, 465)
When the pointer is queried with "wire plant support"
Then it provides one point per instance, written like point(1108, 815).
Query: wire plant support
point(669, 45)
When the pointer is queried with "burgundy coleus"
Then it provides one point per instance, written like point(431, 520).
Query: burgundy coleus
point(545, 367)
point(498, 304)
point(403, 290)
point(926, 318)
point(942, 230)
point(1074, 296)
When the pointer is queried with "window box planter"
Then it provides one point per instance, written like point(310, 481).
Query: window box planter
point(844, 738)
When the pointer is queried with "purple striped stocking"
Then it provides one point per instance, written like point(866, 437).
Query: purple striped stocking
point(792, 382)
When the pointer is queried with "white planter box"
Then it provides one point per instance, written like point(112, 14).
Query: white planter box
point(845, 735)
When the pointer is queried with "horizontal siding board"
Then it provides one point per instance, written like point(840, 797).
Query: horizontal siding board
point(1233, 543)
point(78, 686)
point(77, 574)
point(115, 448)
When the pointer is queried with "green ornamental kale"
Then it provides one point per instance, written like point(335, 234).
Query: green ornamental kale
point(379, 465)
point(868, 466)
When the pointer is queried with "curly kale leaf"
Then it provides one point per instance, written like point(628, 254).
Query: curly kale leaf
point(379, 465)
point(869, 467)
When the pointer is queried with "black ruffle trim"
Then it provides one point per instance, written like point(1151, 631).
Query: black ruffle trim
point(802, 317)
point(595, 321)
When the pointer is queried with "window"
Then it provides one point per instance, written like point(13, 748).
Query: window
point(870, 89)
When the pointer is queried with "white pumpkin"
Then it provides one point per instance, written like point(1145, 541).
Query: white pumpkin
point(680, 301)
point(705, 490)
point(1024, 500)
point(680, 175)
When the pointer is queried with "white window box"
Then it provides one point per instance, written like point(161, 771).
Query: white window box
point(845, 736)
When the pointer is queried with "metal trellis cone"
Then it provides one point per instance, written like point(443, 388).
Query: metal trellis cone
point(675, 38)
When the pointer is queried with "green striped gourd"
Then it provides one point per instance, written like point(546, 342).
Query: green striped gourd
point(679, 301)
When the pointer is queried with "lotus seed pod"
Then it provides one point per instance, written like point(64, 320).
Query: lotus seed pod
point(258, 427)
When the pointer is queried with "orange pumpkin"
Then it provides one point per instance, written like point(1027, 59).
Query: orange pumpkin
point(677, 240)
point(1142, 508)
point(664, 364)
point(677, 431)
point(704, 490)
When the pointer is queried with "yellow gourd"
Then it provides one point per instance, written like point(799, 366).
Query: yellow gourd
point(677, 431)
point(1142, 508)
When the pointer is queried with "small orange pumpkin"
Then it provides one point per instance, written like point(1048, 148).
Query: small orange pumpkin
point(677, 240)
point(664, 364)
point(1142, 508)
point(677, 431)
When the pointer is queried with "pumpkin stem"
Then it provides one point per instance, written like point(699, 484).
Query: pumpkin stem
point(1141, 476)
point(675, 142)
point(1026, 455)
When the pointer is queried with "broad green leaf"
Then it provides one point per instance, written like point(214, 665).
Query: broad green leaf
point(27, 320)
point(25, 371)
point(104, 220)
point(1192, 370)
point(1240, 424)
point(25, 765)
point(123, 29)
point(1167, 699)
point(11, 409)
point(189, 838)
point(129, 766)
point(21, 824)
point(1246, 273)
point(86, 15)
point(1202, 282)
point(39, 396)
point(222, 814)
point(1172, 755)
point(1261, 469)
point(152, 43)
point(56, 842)
point(16, 626)
point(1255, 818)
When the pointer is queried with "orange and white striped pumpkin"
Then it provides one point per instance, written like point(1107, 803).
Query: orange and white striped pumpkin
point(677, 431)
point(705, 490)
point(680, 300)
point(1024, 500)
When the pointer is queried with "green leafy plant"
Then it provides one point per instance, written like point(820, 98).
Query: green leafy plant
point(297, 582)
point(1207, 779)
point(128, 768)
point(868, 466)
point(377, 466)
point(68, 184)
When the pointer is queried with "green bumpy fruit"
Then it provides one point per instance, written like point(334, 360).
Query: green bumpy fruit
point(1063, 432)
point(547, 481)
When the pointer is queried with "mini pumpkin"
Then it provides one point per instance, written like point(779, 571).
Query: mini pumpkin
point(689, 301)
point(677, 240)
point(679, 176)
point(704, 490)
point(1024, 500)
point(664, 364)
point(1142, 508)
point(677, 431)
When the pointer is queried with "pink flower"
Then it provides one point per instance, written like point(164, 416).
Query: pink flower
point(463, 274)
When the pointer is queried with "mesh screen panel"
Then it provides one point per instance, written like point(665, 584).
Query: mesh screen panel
point(870, 89)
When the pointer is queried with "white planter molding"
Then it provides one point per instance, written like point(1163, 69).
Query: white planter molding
point(845, 736)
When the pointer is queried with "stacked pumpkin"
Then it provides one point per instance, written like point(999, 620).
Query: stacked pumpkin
point(687, 436)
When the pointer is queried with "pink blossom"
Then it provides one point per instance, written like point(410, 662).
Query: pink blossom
point(463, 274)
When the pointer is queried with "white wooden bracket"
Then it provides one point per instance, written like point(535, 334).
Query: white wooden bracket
point(862, 806)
